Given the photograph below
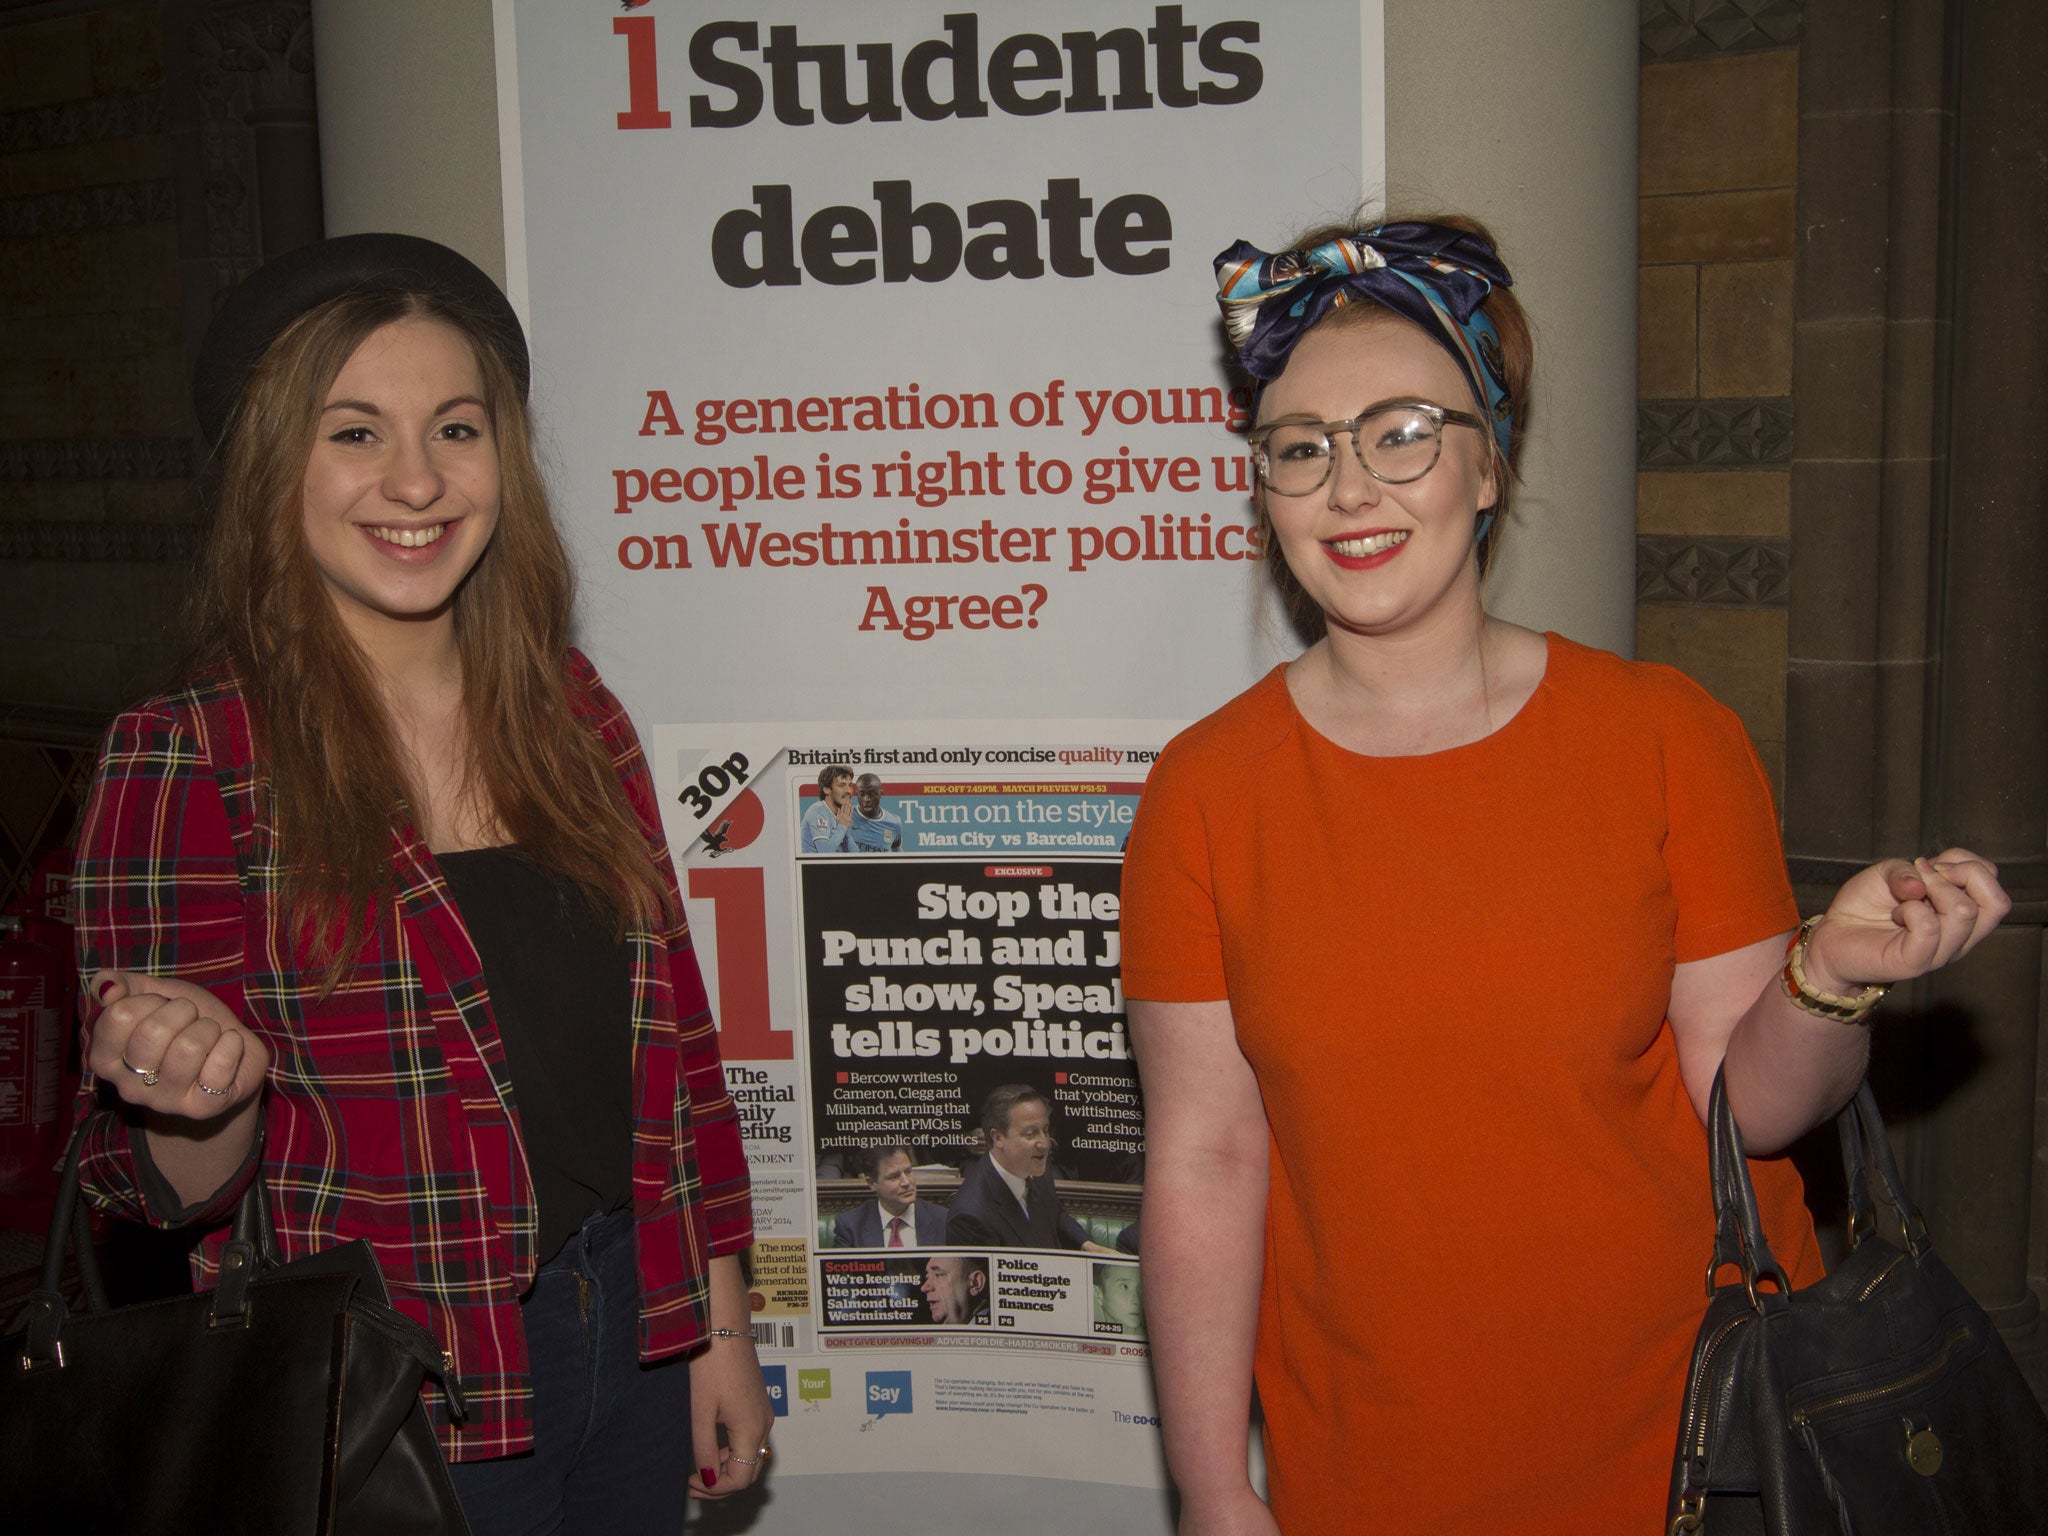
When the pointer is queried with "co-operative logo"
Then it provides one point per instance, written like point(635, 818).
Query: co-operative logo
point(776, 1379)
point(888, 1392)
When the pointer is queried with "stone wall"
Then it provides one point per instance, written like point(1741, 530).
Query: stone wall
point(151, 155)
point(96, 452)
point(1718, 178)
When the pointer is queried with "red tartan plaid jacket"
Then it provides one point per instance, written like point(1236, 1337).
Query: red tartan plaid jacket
point(389, 1115)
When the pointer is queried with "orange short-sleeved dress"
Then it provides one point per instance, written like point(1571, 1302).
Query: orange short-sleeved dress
point(1488, 1222)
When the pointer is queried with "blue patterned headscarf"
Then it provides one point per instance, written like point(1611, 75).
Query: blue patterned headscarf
point(1433, 276)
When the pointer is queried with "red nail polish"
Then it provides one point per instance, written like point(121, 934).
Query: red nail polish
point(710, 1478)
point(100, 992)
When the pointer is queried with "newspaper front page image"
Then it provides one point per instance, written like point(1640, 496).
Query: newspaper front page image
point(911, 934)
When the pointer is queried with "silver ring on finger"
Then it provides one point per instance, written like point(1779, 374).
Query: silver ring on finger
point(216, 1093)
point(150, 1076)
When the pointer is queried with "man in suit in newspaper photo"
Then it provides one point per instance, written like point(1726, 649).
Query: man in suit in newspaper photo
point(1008, 1199)
point(895, 1217)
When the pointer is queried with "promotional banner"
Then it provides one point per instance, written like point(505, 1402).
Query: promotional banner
point(882, 396)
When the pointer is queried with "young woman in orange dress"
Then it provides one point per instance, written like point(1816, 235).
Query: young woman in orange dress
point(1435, 940)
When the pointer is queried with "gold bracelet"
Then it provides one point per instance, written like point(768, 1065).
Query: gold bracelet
point(1827, 1005)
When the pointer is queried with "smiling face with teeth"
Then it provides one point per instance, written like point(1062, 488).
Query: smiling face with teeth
point(1379, 558)
point(402, 485)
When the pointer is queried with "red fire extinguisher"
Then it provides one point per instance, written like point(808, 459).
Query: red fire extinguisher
point(32, 988)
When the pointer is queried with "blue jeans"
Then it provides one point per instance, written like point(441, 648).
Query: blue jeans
point(611, 1437)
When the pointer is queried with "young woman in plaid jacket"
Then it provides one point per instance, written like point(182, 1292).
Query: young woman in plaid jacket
point(378, 909)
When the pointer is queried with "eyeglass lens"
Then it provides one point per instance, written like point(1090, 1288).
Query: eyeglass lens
point(1395, 445)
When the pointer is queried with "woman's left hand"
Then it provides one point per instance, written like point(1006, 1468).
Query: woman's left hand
point(1898, 920)
point(727, 1393)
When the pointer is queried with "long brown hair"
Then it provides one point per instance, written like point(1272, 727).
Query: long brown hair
point(1518, 361)
point(338, 784)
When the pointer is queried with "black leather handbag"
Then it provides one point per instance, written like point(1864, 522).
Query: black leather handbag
point(1879, 1402)
point(284, 1402)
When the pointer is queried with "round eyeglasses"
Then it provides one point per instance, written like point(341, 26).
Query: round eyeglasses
point(1395, 444)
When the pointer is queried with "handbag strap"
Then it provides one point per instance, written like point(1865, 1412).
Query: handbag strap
point(251, 1249)
point(1728, 1237)
point(249, 1252)
point(42, 1345)
point(1735, 1207)
point(253, 1224)
point(62, 1226)
point(1866, 1159)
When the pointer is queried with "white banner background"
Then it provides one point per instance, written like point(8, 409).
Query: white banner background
point(609, 238)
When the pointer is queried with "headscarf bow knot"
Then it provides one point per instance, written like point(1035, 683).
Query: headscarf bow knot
point(1425, 273)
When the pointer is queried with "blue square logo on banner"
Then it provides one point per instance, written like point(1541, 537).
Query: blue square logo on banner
point(776, 1378)
point(888, 1392)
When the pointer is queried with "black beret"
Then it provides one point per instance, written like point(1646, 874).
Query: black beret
point(276, 294)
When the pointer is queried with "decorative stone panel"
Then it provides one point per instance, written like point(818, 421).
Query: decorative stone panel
point(84, 122)
point(1702, 29)
point(99, 541)
point(1752, 573)
point(96, 458)
point(80, 208)
point(1724, 434)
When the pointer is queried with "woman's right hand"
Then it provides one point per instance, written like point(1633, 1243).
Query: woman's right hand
point(172, 1048)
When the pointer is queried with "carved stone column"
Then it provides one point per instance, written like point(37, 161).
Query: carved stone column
point(1868, 327)
point(271, 46)
point(245, 137)
point(1987, 785)
point(1918, 674)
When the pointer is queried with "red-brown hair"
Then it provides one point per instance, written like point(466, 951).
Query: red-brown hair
point(337, 784)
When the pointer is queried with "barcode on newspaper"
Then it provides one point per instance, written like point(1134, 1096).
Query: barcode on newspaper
point(774, 1335)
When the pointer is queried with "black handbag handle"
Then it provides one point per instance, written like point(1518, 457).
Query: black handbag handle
point(250, 1250)
point(1867, 1159)
point(43, 1345)
point(69, 1224)
point(1729, 1245)
point(1738, 1225)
